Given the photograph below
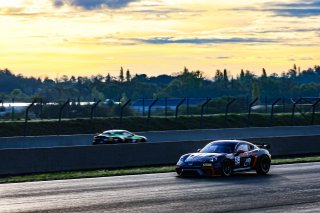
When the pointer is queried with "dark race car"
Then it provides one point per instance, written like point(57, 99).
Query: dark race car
point(117, 136)
point(224, 157)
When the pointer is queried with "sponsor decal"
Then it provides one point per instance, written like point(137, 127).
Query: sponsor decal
point(247, 162)
point(237, 160)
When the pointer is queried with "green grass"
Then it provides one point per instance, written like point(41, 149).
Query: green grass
point(302, 159)
point(128, 171)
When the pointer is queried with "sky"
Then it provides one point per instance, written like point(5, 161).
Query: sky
point(51, 38)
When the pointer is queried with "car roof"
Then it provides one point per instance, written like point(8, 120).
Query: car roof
point(231, 142)
point(115, 130)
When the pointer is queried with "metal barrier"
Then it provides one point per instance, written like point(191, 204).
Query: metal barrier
point(39, 160)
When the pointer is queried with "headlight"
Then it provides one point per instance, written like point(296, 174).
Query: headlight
point(182, 158)
point(213, 159)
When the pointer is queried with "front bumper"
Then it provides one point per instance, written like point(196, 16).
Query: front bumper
point(185, 170)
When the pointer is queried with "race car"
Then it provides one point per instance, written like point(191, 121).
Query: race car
point(117, 136)
point(224, 157)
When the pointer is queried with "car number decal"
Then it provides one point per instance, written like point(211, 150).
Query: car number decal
point(237, 160)
point(247, 162)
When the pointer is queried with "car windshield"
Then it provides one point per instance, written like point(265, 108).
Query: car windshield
point(218, 148)
point(127, 133)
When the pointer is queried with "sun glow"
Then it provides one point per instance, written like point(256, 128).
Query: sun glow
point(12, 3)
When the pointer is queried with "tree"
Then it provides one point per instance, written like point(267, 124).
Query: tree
point(108, 78)
point(121, 76)
point(255, 90)
point(218, 76)
point(242, 75)
point(97, 94)
point(128, 76)
point(264, 73)
point(17, 94)
point(225, 76)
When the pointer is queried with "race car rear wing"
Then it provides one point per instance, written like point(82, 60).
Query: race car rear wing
point(264, 146)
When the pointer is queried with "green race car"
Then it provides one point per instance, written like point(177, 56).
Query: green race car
point(117, 136)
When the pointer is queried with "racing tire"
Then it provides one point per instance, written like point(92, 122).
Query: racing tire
point(179, 174)
point(263, 165)
point(143, 140)
point(226, 168)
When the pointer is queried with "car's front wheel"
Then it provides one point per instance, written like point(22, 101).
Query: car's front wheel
point(263, 165)
point(143, 140)
point(226, 169)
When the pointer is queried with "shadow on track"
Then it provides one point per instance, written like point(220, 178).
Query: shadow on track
point(237, 178)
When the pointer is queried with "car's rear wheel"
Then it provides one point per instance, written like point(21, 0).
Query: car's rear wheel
point(263, 165)
point(226, 169)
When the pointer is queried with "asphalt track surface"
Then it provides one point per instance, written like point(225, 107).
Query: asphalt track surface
point(288, 188)
point(165, 136)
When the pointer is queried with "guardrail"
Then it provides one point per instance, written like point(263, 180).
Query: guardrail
point(21, 161)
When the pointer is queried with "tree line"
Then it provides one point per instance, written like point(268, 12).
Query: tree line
point(186, 83)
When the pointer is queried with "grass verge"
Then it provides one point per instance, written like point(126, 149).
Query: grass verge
point(129, 171)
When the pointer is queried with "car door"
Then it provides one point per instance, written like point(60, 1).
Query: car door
point(243, 157)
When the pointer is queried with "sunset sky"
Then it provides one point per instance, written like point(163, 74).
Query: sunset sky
point(88, 37)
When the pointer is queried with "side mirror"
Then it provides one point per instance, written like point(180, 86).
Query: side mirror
point(198, 150)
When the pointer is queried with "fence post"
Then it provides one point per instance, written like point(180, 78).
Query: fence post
point(93, 107)
point(314, 110)
point(202, 110)
point(249, 109)
point(12, 109)
point(294, 109)
point(272, 110)
point(227, 110)
point(26, 117)
point(41, 108)
point(187, 105)
point(266, 103)
point(60, 115)
point(177, 107)
point(150, 106)
point(122, 108)
point(166, 107)
point(143, 105)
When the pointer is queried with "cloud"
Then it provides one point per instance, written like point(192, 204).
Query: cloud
point(302, 59)
point(296, 9)
point(297, 12)
point(58, 3)
point(171, 40)
point(93, 4)
point(219, 57)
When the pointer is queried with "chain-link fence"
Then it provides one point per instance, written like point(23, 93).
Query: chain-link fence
point(305, 108)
